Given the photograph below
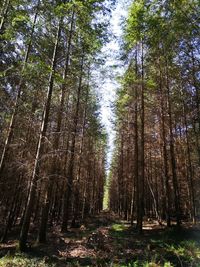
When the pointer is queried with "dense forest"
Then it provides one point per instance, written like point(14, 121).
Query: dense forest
point(51, 137)
point(53, 144)
point(156, 164)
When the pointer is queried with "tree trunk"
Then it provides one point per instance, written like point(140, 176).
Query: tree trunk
point(70, 171)
point(190, 170)
point(197, 126)
point(5, 153)
point(136, 179)
point(142, 162)
point(172, 153)
point(76, 190)
point(50, 182)
point(164, 150)
point(40, 148)
point(11, 212)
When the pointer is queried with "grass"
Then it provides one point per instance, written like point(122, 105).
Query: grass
point(119, 230)
point(186, 254)
point(169, 248)
point(24, 260)
point(123, 248)
point(118, 227)
point(143, 264)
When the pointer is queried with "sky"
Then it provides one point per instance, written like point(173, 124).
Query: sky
point(109, 87)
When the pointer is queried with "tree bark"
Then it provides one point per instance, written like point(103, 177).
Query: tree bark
point(136, 179)
point(140, 213)
point(50, 183)
point(5, 153)
point(164, 150)
point(190, 169)
point(70, 171)
point(76, 190)
point(40, 148)
point(172, 152)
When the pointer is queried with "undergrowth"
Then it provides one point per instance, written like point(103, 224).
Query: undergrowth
point(24, 260)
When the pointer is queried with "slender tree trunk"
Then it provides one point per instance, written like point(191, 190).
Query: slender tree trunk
point(190, 170)
point(172, 153)
point(142, 162)
point(136, 178)
point(76, 190)
point(40, 148)
point(70, 172)
point(155, 201)
point(11, 212)
point(92, 200)
point(85, 193)
point(5, 153)
point(197, 126)
point(165, 155)
point(121, 175)
point(47, 200)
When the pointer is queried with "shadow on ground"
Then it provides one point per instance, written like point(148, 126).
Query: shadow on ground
point(104, 242)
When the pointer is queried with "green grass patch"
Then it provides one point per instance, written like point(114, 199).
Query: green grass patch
point(188, 250)
point(143, 264)
point(118, 227)
point(119, 231)
point(23, 260)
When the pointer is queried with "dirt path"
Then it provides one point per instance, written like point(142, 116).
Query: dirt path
point(106, 241)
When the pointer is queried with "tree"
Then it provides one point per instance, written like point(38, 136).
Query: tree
point(157, 43)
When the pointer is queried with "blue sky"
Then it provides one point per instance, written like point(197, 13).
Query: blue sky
point(109, 86)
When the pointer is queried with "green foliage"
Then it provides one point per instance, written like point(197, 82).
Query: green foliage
point(119, 230)
point(123, 101)
point(118, 227)
point(63, 9)
point(135, 23)
point(19, 19)
point(143, 264)
point(187, 249)
point(23, 260)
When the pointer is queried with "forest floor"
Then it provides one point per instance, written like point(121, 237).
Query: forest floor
point(107, 241)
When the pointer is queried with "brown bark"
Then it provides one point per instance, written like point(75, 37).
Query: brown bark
point(190, 169)
point(140, 211)
point(76, 186)
point(40, 148)
point(13, 121)
point(164, 151)
point(51, 180)
point(172, 152)
point(70, 171)
point(136, 180)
